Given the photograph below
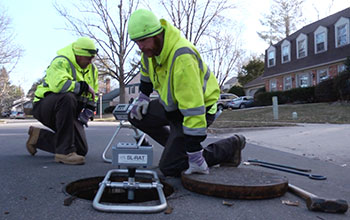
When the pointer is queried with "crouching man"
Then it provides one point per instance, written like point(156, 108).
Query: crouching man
point(64, 102)
point(188, 92)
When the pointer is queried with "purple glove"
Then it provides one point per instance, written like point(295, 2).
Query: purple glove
point(140, 106)
point(85, 115)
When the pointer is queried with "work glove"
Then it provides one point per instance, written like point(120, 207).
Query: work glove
point(140, 107)
point(85, 88)
point(85, 115)
point(93, 109)
point(197, 163)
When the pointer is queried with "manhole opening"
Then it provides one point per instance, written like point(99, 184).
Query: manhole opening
point(87, 189)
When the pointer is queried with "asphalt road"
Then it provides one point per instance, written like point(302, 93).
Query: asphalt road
point(32, 187)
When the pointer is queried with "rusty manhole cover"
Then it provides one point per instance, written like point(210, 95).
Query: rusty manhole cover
point(237, 183)
point(87, 189)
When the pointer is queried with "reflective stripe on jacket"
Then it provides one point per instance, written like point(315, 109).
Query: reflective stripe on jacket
point(182, 79)
point(64, 74)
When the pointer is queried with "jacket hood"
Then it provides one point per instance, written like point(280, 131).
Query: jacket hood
point(68, 52)
point(171, 36)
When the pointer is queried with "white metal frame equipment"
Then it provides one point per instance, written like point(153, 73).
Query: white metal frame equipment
point(131, 156)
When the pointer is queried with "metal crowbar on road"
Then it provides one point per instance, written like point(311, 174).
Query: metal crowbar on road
point(283, 168)
point(280, 165)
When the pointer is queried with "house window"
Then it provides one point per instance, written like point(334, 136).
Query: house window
point(271, 56)
point(287, 82)
point(341, 38)
point(320, 36)
point(301, 49)
point(285, 51)
point(342, 32)
point(322, 75)
point(320, 42)
point(304, 80)
point(285, 54)
point(301, 46)
point(341, 68)
point(273, 85)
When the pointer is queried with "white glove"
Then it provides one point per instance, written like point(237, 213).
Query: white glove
point(140, 107)
point(196, 163)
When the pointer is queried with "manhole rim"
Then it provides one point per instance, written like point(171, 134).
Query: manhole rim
point(242, 192)
point(163, 182)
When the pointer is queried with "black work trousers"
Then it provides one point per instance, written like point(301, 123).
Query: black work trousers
point(59, 112)
point(169, 133)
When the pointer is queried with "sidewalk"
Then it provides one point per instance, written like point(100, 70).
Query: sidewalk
point(326, 142)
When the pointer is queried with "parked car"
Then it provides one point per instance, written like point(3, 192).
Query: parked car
point(5, 114)
point(241, 102)
point(17, 115)
point(224, 99)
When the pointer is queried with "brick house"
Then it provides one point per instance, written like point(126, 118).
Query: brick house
point(310, 55)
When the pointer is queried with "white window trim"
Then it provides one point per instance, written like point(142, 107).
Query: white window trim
point(320, 30)
point(341, 21)
point(318, 74)
point(285, 43)
point(299, 38)
point(271, 48)
point(273, 81)
point(284, 82)
point(308, 81)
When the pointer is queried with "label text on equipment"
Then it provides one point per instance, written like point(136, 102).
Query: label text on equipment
point(132, 158)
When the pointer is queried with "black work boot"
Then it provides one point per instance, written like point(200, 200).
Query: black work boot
point(238, 146)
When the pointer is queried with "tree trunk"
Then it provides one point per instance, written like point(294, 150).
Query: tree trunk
point(122, 93)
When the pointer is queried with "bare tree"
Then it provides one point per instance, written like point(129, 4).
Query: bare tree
point(325, 12)
point(224, 55)
point(205, 24)
point(282, 20)
point(10, 53)
point(194, 17)
point(106, 23)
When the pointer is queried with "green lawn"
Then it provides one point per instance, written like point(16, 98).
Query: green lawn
point(335, 113)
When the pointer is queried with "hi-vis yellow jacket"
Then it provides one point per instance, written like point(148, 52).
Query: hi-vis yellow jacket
point(64, 74)
point(182, 79)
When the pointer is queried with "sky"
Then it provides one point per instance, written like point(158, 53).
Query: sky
point(40, 30)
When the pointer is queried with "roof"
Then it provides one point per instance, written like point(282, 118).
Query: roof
point(233, 80)
point(255, 82)
point(332, 54)
point(111, 95)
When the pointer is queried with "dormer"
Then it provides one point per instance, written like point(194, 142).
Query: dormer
point(341, 29)
point(320, 39)
point(301, 46)
point(271, 56)
point(285, 51)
